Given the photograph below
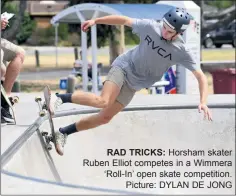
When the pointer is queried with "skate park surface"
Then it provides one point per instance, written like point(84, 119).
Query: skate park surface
point(149, 122)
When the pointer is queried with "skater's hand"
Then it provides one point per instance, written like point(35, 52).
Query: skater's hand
point(207, 113)
point(85, 25)
point(4, 23)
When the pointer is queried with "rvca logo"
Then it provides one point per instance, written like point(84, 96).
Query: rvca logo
point(161, 51)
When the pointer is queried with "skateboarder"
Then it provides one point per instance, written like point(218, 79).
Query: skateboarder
point(161, 46)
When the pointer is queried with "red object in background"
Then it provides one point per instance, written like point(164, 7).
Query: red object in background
point(224, 81)
point(170, 76)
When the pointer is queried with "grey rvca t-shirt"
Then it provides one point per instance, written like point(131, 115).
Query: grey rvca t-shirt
point(146, 63)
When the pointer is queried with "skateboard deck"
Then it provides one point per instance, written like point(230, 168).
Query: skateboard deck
point(10, 101)
point(45, 109)
point(47, 97)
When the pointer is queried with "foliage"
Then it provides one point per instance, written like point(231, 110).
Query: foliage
point(139, 1)
point(221, 4)
point(63, 31)
point(105, 31)
point(26, 28)
point(46, 36)
point(10, 8)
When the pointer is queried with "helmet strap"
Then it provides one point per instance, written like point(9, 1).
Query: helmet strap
point(174, 35)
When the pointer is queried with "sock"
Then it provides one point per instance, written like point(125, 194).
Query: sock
point(68, 129)
point(66, 98)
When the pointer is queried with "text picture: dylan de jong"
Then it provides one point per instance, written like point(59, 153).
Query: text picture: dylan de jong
point(196, 184)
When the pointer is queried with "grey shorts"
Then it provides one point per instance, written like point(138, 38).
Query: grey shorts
point(9, 51)
point(117, 75)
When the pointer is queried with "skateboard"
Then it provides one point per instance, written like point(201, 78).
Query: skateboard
point(10, 101)
point(43, 110)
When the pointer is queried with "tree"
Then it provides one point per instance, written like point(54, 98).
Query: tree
point(102, 30)
point(106, 33)
point(224, 20)
point(113, 35)
point(221, 4)
point(15, 23)
point(26, 29)
point(225, 15)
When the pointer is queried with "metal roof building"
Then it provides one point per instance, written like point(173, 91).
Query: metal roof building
point(88, 10)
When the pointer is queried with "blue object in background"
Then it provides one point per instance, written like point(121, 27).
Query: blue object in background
point(63, 83)
point(170, 76)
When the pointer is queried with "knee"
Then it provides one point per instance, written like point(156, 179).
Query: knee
point(21, 55)
point(104, 102)
point(104, 119)
point(3, 70)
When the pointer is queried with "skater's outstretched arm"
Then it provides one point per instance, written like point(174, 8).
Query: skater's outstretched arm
point(108, 20)
point(188, 61)
point(203, 89)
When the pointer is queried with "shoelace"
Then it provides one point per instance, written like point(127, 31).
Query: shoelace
point(62, 139)
point(65, 138)
point(57, 103)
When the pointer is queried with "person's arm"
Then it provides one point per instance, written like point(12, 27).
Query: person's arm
point(108, 20)
point(188, 62)
point(203, 89)
point(200, 76)
point(114, 20)
point(203, 85)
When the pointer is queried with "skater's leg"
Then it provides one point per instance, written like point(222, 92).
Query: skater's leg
point(15, 55)
point(108, 96)
point(92, 121)
point(110, 91)
point(103, 117)
point(86, 123)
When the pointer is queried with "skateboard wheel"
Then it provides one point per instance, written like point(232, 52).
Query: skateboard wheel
point(44, 133)
point(41, 113)
point(15, 99)
point(49, 147)
point(50, 138)
point(38, 99)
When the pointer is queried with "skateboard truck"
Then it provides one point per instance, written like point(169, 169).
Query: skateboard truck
point(42, 107)
point(14, 100)
point(48, 139)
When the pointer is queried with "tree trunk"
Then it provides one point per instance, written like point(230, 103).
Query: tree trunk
point(116, 42)
point(3, 2)
point(14, 29)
